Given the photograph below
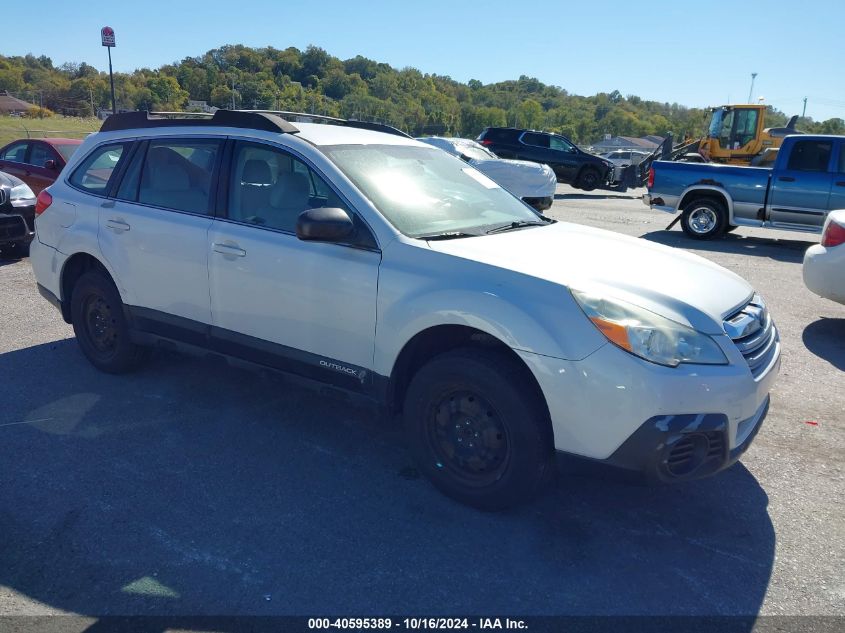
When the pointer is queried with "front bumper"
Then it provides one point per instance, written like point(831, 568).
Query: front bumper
point(617, 408)
point(13, 228)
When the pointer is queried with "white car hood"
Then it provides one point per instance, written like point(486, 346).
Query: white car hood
point(671, 282)
point(522, 178)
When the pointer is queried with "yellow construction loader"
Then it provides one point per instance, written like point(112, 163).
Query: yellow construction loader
point(736, 135)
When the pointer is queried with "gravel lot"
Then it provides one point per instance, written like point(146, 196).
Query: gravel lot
point(194, 487)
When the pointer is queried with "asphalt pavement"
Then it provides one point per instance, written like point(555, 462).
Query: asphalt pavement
point(194, 487)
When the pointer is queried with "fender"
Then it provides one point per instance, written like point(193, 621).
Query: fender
point(716, 188)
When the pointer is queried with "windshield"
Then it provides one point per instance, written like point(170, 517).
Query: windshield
point(716, 123)
point(475, 151)
point(424, 191)
point(66, 150)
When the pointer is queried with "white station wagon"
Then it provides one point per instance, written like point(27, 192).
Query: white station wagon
point(352, 254)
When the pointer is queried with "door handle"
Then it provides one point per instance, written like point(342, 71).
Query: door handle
point(118, 226)
point(786, 178)
point(229, 250)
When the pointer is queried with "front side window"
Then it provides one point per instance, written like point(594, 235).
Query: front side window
point(40, 154)
point(424, 191)
point(177, 174)
point(270, 188)
point(746, 126)
point(559, 143)
point(726, 129)
point(15, 153)
point(95, 172)
point(810, 156)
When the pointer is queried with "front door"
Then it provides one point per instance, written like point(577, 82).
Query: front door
point(306, 307)
point(801, 192)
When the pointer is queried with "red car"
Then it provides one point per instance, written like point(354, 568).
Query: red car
point(37, 162)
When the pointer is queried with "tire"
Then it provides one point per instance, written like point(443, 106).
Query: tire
point(478, 429)
point(704, 219)
point(588, 179)
point(100, 325)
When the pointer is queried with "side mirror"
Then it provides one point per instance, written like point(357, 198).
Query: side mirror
point(49, 164)
point(324, 224)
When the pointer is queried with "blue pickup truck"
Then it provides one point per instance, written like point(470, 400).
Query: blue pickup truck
point(806, 181)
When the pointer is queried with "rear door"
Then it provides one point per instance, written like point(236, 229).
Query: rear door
point(801, 191)
point(154, 230)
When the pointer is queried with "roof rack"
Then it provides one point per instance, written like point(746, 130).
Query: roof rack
point(267, 122)
point(305, 117)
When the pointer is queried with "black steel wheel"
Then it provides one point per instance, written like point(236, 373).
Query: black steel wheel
point(478, 428)
point(100, 325)
point(589, 179)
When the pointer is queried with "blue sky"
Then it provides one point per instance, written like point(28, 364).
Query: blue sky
point(693, 53)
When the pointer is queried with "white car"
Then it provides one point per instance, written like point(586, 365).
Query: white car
point(389, 268)
point(824, 264)
point(626, 157)
point(533, 182)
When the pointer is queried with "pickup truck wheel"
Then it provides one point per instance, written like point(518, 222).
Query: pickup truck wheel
point(100, 325)
point(588, 179)
point(704, 219)
point(477, 430)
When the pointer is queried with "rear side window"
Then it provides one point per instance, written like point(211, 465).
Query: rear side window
point(176, 174)
point(810, 155)
point(15, 153)
point(95, 172)
point(532, 138)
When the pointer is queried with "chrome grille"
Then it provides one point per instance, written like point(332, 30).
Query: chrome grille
point(754, 334)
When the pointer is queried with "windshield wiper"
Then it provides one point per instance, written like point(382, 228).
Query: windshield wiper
point(510, 226)
point(446, 235)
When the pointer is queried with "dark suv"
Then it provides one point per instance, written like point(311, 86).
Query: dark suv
point(570, 164)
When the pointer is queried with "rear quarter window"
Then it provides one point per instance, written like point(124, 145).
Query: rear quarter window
point(97, 169)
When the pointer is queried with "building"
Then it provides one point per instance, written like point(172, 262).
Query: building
point(13, 105)
point(200, 106)
point(613, 143)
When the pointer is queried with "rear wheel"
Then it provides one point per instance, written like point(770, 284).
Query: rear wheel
point(588, 179)
point(100, 325)
point(477, 428)
point(704, 219)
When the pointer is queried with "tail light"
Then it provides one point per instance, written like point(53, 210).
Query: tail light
point(43, 201)
point(650, 183)
point(834, 234)
point(486, 142)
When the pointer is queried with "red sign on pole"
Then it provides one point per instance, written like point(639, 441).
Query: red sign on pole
point(107, 33)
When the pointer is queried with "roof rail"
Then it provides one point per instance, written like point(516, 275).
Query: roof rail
point(266, 121)
point(305, 117)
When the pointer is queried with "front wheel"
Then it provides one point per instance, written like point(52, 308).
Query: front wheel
point(477, 428)
point(589, 179)
point(704, 219)
point(100, 325)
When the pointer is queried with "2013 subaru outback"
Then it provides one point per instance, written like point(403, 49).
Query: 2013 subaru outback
point(387, 267)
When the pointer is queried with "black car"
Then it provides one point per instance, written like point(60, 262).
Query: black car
point(17, 214)
point(571, 165)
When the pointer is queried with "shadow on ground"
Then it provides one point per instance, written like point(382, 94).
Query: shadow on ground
point(197, 488)
point(781, 250)
point(826, 339)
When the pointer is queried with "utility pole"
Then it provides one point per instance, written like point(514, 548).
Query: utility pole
point(91, 94)
point(804, 111)
point(107, 37)
point(233, 93)
point(751, 90)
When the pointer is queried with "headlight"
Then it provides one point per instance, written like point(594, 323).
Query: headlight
point(21, 192)
point(649, 335)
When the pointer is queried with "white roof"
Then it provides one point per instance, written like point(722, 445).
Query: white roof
point(327, 134)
